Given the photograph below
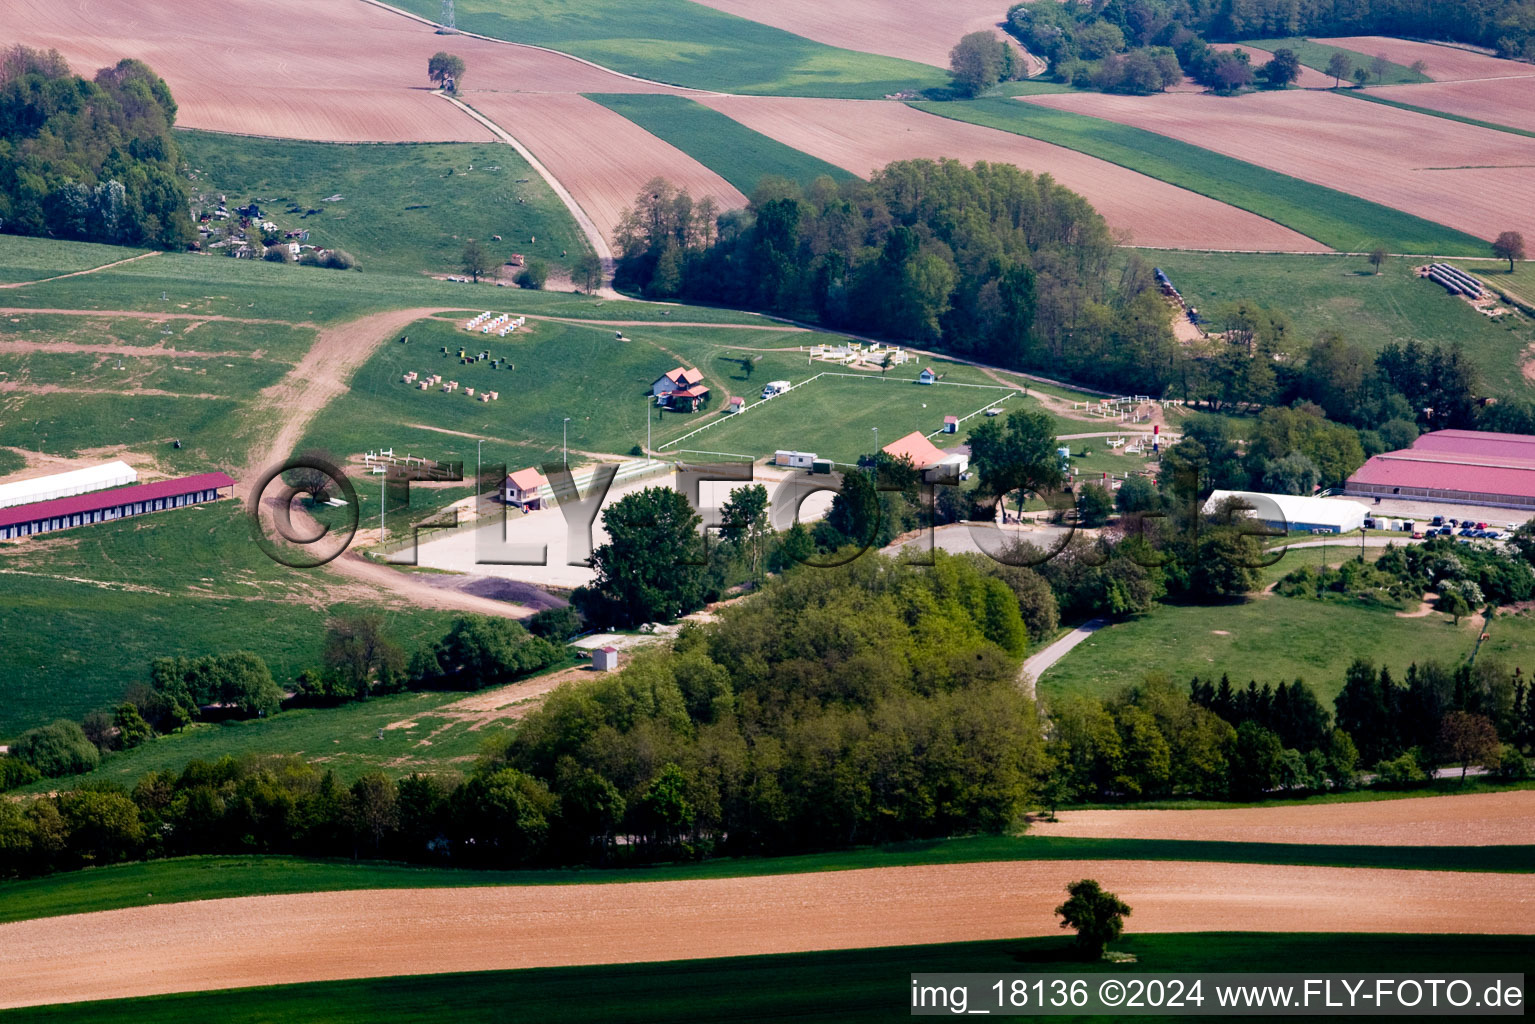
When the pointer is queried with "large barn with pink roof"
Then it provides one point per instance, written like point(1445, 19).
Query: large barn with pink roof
point(1459, 466)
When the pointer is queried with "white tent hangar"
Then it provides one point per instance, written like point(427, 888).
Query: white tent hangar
point(67, 485)
point(1296, 513)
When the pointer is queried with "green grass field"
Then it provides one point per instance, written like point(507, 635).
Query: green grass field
point(183, 879)
point(725, 146)
point(191, 283)
point(1275, 639)
point(1316, 55)
point(1337, 219)
point(1344, 294)
point(835, 986)
point(688, 44)
point(835, 416)
point(31, 259)
point(88, 609)
point(405, 208)
point(1360, 94)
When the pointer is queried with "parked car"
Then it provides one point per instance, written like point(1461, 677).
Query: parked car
point(1494, 535)
point(1438, 521)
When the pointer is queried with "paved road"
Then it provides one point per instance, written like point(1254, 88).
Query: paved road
point(1041, 662)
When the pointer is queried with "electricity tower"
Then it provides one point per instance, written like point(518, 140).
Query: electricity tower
point(447, 27)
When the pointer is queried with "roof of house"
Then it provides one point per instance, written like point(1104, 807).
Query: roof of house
point(951, 419)
point(696, 391)
point(914, 446)
point(737, 400)
point(1457, 460)
point(927, 372)
point(608, 650)
point(68, 483)
point(527, 479)
point(684, 375)
point(98, 500)
point(1294, 508)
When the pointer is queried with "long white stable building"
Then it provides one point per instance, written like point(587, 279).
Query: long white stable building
point(67, 485)
point(1295, 512)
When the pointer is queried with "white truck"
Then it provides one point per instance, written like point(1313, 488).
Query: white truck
point(775, 387)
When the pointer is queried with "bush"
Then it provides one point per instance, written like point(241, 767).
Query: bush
point(338, 259)
point(1512, 765)
point(16, 772)
point(556, 624)
point(278, 254)
point(533, 275)
point(57, 749)
point(1401, 771)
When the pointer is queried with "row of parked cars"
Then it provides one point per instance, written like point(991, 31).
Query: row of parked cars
point(1442, 527)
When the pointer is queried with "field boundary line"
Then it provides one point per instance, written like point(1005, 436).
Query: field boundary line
point(1010, 393)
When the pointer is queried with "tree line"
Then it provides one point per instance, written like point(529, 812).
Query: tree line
point(89, 159)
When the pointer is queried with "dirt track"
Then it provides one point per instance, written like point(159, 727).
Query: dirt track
point(863, 135)
point(1475, 179)
point(1480, 819)
point(313, 937)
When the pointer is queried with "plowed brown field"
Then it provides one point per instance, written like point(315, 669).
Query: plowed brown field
point(1475, 179)
point(335, 70)
point(1507, 101)
point(1445, 63)
point(862, 135)
point(602, 157)
point(914, 29)
point(313, 937)
point(1481, 819)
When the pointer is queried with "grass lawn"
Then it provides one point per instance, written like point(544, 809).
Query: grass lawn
point(1275, 639)
point(1316, 55)
point(1343, 293)
point(183, 879)
point(725, 146)
point(1360, 94)
point(1342, 221)
point(688, 44)
point(1521, 282)
point(405, 208)
point(841, 986)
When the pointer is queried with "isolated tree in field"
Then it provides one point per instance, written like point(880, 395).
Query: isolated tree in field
point(1379, 65)
point(358, 650)
point(475, 261)
point(1377, 259)
point(588, 272)
point(1509, 246)
point(1468, 739)
point(652, 568)
point(1016, 454)
point(1098, 916)
point(1454, 604)
point(1282, 70)
point(976, 62)
point(1339, 66)
point(533, 275)
point(443, 66)
point(1361, 77)
point(1419, 67)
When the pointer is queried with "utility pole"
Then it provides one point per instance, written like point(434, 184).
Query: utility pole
point(477, 465)
point(564, 443)
point(649, 419)
point(382, 494)
point(874, 462)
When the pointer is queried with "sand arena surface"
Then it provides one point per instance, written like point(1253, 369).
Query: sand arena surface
point(1445, 63)
point(325, 70)
point(1478, 819)
point(863, 135)
point(266, 939)
point(600, 156)
point(917, 30)
point(1478, 180)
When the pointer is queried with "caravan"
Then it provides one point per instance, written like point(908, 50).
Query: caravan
point(775, 387)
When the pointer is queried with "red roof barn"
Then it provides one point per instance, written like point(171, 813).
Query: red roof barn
point(1459, 466)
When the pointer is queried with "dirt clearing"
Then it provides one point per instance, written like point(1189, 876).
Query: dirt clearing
point(1445, 63)
point(914, 29)
point(862, 135)
point(601, 156)
point(1475, 179)
point(334, 70)
point(1478, 819)
point(313, 937)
